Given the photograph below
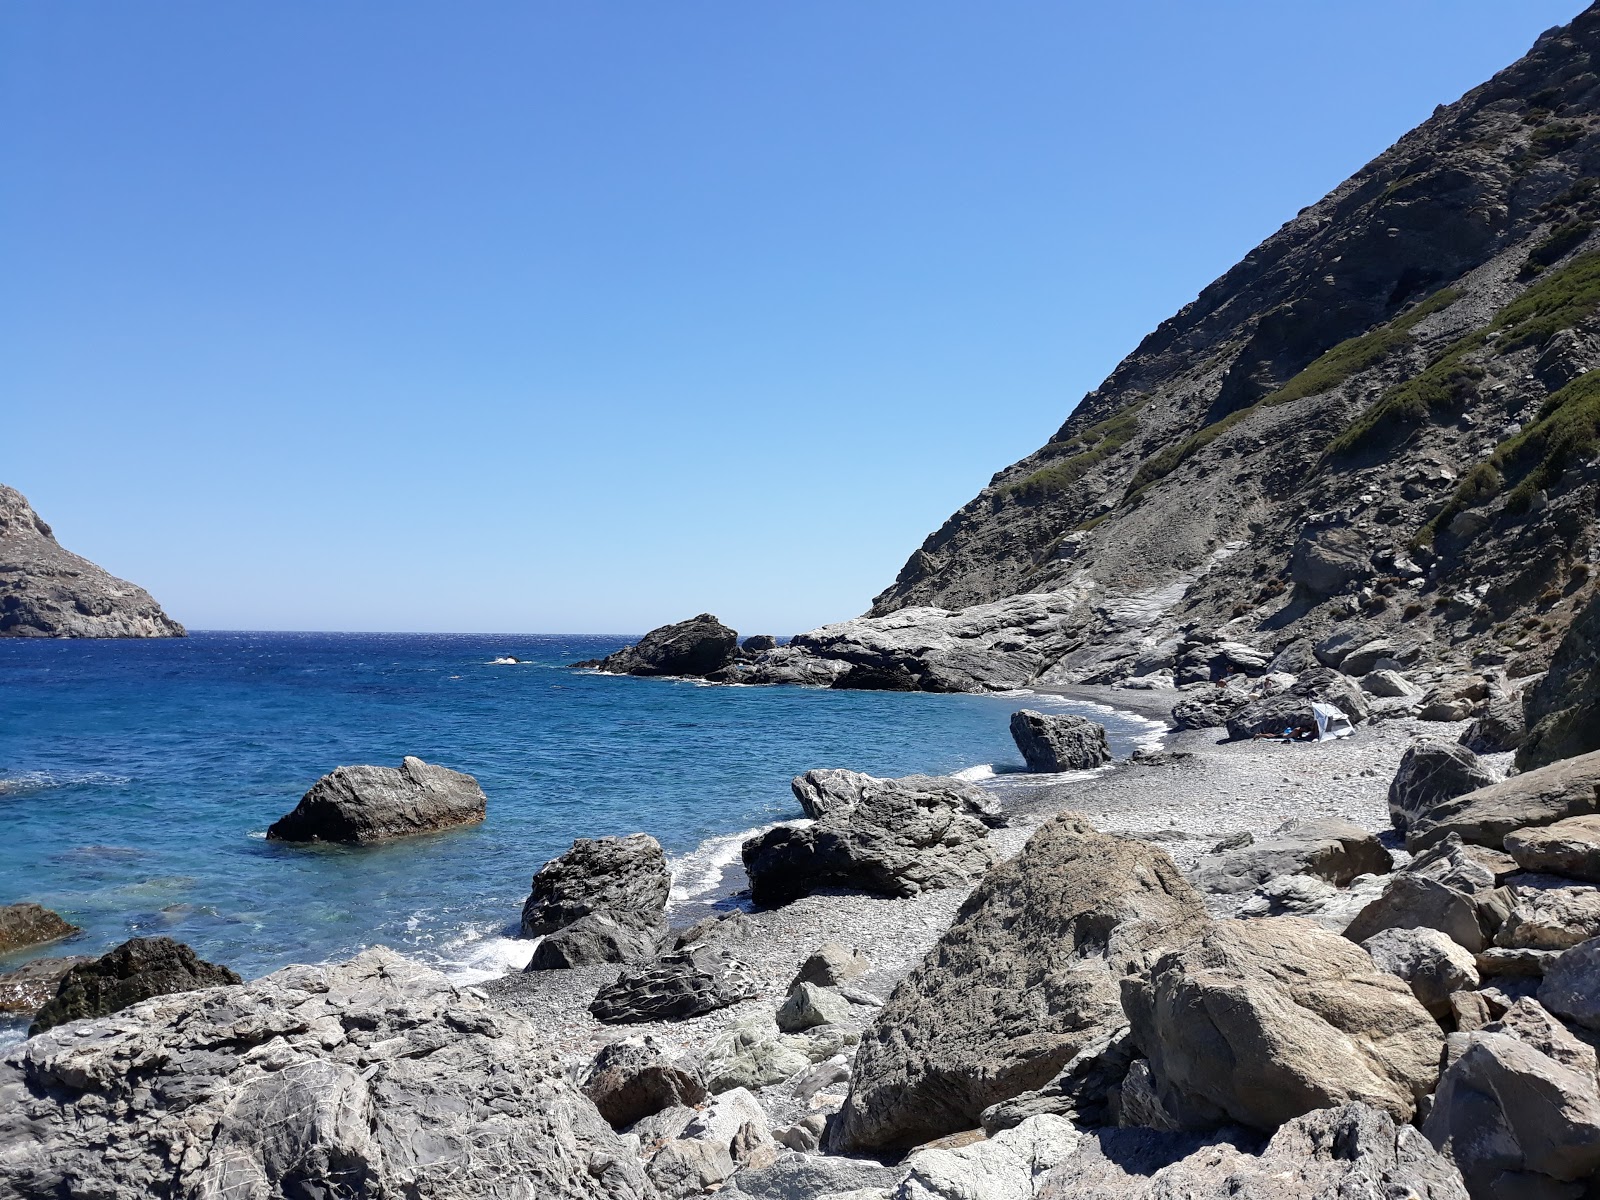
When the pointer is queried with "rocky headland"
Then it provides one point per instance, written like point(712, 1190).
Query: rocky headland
point(46, 591)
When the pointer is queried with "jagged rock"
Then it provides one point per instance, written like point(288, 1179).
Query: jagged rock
point(832, 965)
point(1327, 561)
point(1571, 985)
point(1549, 913)
point(1431, 772)
point(1570, 847)
point(1081, 1090)
point(752, 1053)
point(1414, 901)
point(1468, 868)
point(371, 1077)
point(813, 1177)
point(728, 929)
point(1008, 1166)
point(834, 792)
point(631, 1079)
point(1562, 712)
point(1500, 728)
point(1346, 1152)
point(26, 924)
point(46, 591)
point(362, 805)
point(694, 647)
point(1312, 898)
point(1568, 788)
point(808, 1005)
point(1390, 684)
point(618, 876)
point(1259, 1022)
point(1517, 1109)
point(1373, 656)
point(684, 983)
point(1059, 741)
point(1022, 981)
point(1429, 962)
point(600, 937)
point(756, 643)
point(136, 970)
point(1292, 706)
point(26, 989)
point(894, 840)
point(730, 1132)
point(1327, 847)
point(783, 665)
point(1517, 963)
point(1209, 708)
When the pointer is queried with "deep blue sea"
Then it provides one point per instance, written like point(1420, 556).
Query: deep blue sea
point(137, 779)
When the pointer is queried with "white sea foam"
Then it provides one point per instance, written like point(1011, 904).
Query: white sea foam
point(40, 781)
point(484, 953)
point(976, 774)
point(701, 869)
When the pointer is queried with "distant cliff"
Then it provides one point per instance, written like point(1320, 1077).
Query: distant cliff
point(46, 591)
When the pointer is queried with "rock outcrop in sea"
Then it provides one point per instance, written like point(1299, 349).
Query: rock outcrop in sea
point(359, 806)
point(46, 591)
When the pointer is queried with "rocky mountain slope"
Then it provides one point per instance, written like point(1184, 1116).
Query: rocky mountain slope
point(46, 591)
point(1383, 422)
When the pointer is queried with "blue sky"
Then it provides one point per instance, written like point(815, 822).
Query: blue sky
point(587, 316)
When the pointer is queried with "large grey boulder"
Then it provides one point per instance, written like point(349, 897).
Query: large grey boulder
point(632, 1079)
point(1432, 965)
point(1291, 706)
point(1327, 847)
point(136, 970)
point(1024, 979)
point(1326, 561)
point(1258, 1022)
point(1012, 1165)
point(1209, 708)
point(831, 965)
point(695, 647)
point(1568, 788)
point(1518, 1109)
point(682, 984)
point(602, 901)
point(730, 1132)
point(1570, 847)
point(26, 924)
point(1547, 912)
point(891, 837)
point(372, 1077)
point(1053, 742)
point(1352, 1152)
point(1562, 712)
point(1415, 901)
point(808, 1005)
point(1430, 773)
point(1571, 985)
point(361, 805)
point(1501, 727)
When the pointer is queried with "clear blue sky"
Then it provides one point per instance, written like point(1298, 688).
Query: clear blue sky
point(534, 316)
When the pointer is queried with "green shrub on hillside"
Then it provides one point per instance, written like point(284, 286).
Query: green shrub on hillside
point(1098, 441)
point(1563, 239)
point(1554, 137)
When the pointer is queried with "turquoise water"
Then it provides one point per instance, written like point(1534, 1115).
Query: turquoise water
point(137, 779)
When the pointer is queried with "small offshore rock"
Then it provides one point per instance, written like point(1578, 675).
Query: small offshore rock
point(362, 805)
point(695, 647)
point(136, 970)
point(599, 937)
point(1054, 742)
point(26, 924)
point(26, 989)
point(610, 874)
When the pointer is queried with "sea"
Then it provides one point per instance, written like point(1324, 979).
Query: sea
point(138, 778)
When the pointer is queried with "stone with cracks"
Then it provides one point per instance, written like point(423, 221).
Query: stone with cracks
point(1053, 742)
point(808, 1005)
point(1327, 847)
point(136, 970)
point(1500, 728)
point(685, 983)
point(600, 937)
point(1430, 773)
point(1413, 900)
point(1571, 985)
point(1569, 788)
point(1570, 847)
point(632, 1079)
point(694, 647)
point(373, 1077)
point(1024, 979)
point(1432, 965)
point(832, 965)
point(827, 792)
point(1388, 684)
point(1209, 708)
point(621, 876)
point(1009, 1166)
point(26, 924)
point(361, 805)
point(1548, 912)
point(1259, 1022)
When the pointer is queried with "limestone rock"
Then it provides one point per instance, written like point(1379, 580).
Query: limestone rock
point(1430, 963)
point(832, 965)
point(1059, 741)
point(1008, 1166)
point(1291, 706)
point(1259, 1022)
point(837, 793)
point(1023, 980)
point(372, 1077)
point(695, 647)
point(1563, 711)
point(26, 989)
point(895, 841)
point(1500, 728)
point(361, 805)
point(619, 876)
point(1430, 773)
point(136, 970)
point(1571, 986)
point(46, 591)
point(1549, 913)
point(808, 1005)
point(24, 925)
point(1327, 847)
point(684, 983)
point(1570, 847)
point(1568, 788)
point(632, 1079)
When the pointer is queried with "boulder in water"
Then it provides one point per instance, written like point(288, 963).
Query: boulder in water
point(362, 805)
point(23, 925)
point(602, 901)
point(1052, 742)
point(694, 648)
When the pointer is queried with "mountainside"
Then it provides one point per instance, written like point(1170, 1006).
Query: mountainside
point(46, 591)
point(1382, 422)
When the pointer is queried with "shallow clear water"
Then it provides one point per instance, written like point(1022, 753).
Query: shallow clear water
point(137, 779)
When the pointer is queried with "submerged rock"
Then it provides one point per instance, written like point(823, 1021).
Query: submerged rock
point(373, 1077)
point(362, 805)
point(136, 970)
point(1053, 742)
point(26, 924)
point(26, 989)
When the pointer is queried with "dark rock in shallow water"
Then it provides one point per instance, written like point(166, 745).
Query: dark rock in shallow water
point(695, 647)
point(136, 970)
point(831, 791)
point(872, 677)
point(632, 1078)
point(682, 984)
point(1053, 742)
point(27, 924)
point(362, 805)
point(46, 591)
point(622, 877)
point(26, 989)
